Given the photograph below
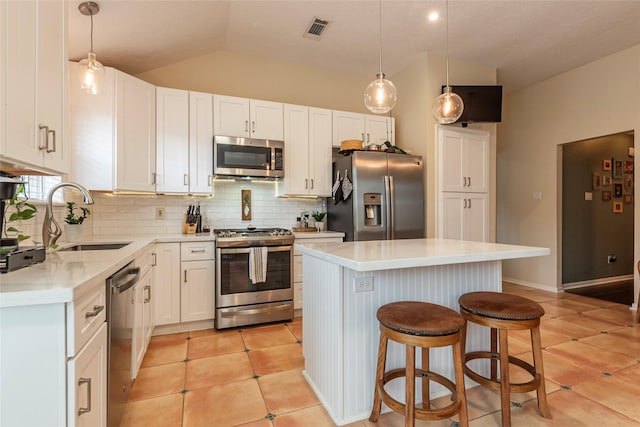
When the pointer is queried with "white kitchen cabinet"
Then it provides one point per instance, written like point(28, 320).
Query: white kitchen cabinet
point(297, 264)
point(114, 133)
point(464, 160)
point(369, 128)
point(464, 216)
point(185, 278)
point(33, 96)
point(184, 134)
point(307, 163)
point(142, 320)
point(247, 118)
point(88, 383)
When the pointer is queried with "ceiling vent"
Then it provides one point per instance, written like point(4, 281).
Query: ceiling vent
point(316, 28)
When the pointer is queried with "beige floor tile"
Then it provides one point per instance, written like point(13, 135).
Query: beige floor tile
point(225, 405)
point(587, 321)
point(315, 416)
point(560, 325)
point(625, 316)
point(276, 359)
point(166, 349)
point(287, 391)
point(268, 336)
point(570, 304)
point(203, 333)
point(551, 309)
point(588, 300)
point(584, 354)
point(259, 423)
point(617, 343)
point(630, 374)
point(561, 371)
point(163, 411)
point(215, 345)
point(158, 381)
point(394, 419)
point(217, 370)
point(624, 400)
point(296, 327)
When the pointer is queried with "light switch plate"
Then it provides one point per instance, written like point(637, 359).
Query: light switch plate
point(363, 284)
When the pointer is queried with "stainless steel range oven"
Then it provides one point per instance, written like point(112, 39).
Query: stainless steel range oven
point(241, 300)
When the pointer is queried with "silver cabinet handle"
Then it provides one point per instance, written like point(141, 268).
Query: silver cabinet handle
point(362, 136)
point(155, 260)
point(96, 310)
point(153, 178)
point(185, 276)
point(42, 146)
point(86, 381)
point(185, 179)
point(53, 133)
point(312, 183)
point(198, 251)
point(469, 181)
point(209, 180)
point(368, 137)
point(253, 126)
point(148, 298)
point(306, 183)
point(469, 203)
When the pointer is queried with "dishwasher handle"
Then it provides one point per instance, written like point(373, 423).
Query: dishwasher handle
point(127, 281)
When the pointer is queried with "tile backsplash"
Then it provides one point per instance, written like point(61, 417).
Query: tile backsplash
point(135, 215)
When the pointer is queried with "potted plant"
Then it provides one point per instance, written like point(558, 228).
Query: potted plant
point(18, 209)
point(318, 217)
point(72, 230)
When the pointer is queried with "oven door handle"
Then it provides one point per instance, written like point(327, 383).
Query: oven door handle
point(248, 312)
point(247, 250)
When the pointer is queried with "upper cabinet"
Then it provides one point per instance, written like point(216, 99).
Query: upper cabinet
point(33, 100)
point(247, 118)
point(307, 161)
point(184, 135)
point(369, 128)
point(114, 133)
point(464, 160)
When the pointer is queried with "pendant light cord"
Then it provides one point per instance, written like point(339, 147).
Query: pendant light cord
point(380, 34)
point(447, 41)
point(91, 32)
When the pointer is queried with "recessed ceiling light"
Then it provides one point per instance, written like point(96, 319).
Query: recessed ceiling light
point(434, 16)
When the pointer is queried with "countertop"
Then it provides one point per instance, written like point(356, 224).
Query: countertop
point(408, 253)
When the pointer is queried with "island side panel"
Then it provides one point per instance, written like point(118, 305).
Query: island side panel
point(322, 331)
point(439, 285)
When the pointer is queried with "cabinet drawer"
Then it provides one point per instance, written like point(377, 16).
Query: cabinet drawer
point(85, 316)
point(195, 251)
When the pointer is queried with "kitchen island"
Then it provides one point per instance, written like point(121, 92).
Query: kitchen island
point(345, 283)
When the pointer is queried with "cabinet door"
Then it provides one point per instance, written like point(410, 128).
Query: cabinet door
point(87, 383)
point(198, 291)
point(296, 140)
point(320, 131)
point(137, 352)
point(464, 160)
point(230, 116)
point(378, 129)
point(200, 143)
point(451, 169)
point(266, 119)
point(135, 134)
point(464, 216)
point(476, 162)
point(166, 287)
point(172, 140)
point(347, 125)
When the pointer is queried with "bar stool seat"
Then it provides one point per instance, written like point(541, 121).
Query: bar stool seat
point(504, 312)
point(424, 325)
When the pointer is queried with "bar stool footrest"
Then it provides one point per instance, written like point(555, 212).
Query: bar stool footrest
point(525, 387)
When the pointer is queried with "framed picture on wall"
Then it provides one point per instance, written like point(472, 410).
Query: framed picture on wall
point(627, 184)
point(606, 165)
point(628, 166)
point(596, 180)
point(617, 190)
point(617, 207)
point(618, 167)
point(606, 195)
point(606, 180)
point(627, 199)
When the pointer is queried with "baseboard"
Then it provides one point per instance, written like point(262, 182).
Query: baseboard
point(531, 285)
point(595, 282)
point(182, 327)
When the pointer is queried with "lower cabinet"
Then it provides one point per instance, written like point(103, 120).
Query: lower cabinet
point(297, 266)
point(142, 320)
point(184, 289)
point(465, 216)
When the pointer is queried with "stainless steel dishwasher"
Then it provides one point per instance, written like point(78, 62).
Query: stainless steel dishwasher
point(120, 321)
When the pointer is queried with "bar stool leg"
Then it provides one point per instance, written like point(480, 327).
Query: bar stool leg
point(538, 365)
point(494, 350)
point(382, 358)
point(505, 395)
point(458, 368)
point(410, 387)
point(426, 392)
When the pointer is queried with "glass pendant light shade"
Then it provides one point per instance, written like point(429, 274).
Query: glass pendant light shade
point(91, 74)
point(448, 107)
point(380, 96)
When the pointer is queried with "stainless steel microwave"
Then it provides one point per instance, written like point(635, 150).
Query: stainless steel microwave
point(248, 157)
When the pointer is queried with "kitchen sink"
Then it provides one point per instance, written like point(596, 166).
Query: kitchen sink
point(95, 246)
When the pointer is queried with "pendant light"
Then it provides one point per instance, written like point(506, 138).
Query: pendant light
point(380, 95)
point(91, 71)
point(448, 107)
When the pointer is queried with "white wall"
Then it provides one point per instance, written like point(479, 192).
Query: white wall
point(600, 98)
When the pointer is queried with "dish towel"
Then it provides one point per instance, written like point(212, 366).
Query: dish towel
point(347, 186)
point(336, 190)
point(258, 264)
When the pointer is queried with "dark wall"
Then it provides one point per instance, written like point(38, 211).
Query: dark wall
point(590, 229)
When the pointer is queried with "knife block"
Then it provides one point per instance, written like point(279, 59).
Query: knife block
point(187, 228)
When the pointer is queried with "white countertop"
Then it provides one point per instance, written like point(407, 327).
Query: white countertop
point(408, 253)
point(317, 234)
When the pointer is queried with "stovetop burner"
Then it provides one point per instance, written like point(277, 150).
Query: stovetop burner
point(251, 232)
point(239, 237)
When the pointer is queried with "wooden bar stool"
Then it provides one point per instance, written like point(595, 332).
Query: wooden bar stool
point(425, 325)
point(503, 312)
point(638, 304)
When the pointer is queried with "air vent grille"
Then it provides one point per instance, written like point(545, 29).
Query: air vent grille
point(316, 28)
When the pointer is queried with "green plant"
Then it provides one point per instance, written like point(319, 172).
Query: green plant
point(71, 218)
point(318, 216)
point(22, 211)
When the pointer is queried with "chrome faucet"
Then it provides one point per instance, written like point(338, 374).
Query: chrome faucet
point(50, 229)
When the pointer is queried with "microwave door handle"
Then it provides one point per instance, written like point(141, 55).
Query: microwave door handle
point(273, 158)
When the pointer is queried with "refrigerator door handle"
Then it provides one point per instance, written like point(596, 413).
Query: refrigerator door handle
point(390, 206)
point(387, 206)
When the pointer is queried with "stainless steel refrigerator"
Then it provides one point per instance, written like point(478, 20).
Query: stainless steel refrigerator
point(387, 199)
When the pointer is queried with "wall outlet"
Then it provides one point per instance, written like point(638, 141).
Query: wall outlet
point(160, 213)
point(611, 258)
point(537, 195)
point(588, 195)
point(363, 284)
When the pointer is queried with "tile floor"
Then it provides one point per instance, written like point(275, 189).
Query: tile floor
point(252, 377)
